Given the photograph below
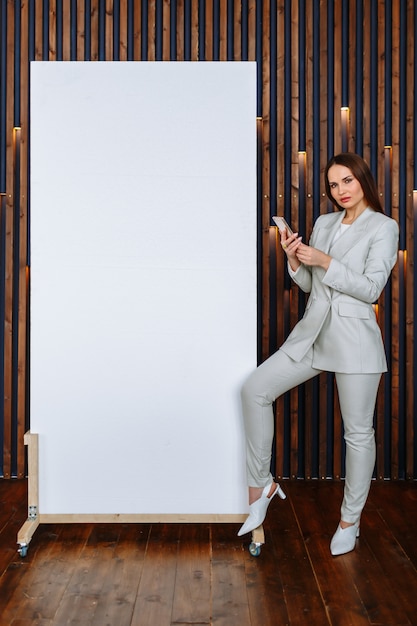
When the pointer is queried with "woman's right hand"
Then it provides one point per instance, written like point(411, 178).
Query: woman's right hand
point(290, 244)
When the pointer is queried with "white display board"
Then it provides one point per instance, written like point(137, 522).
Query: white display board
point(143, 285)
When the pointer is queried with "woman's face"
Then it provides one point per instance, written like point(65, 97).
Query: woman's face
point(345, 188)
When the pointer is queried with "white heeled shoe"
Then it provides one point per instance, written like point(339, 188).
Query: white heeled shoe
point(344, 539)
point(257, 510)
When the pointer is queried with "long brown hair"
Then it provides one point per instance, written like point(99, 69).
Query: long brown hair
point(361, 172)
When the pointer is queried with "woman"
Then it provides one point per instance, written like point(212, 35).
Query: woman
point(344, 268)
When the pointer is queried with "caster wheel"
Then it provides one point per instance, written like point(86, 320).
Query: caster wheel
point(23, 550)
point(254, 549)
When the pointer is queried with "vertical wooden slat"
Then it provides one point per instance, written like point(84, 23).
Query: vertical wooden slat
point(37, 14)
point(223, 30)
point(402, 195)
point(392, 337)
point(67, 27)
point(373, 29)
point(23, 259)
point(18, 314)
point(166, 30)
point(366, 82)
point(194, 31)
point(377, 153)
point(237, 41)
point(310, 422)
point(265, 186)
point(409, 314)
point(386, 309)
point(151, 31)
point(2, 328)
point(252, 30)
point(293, 395)
point(8, 290)
point(273, 299)
point(3, 427)
point(80, 31)
point(329, 110)
point(351, 101)
point(123, 31)
point(208, 37)
point(357, 101)
point(283, 293)
point(137, 30)
point(180, 30)
point(323, 60)
point(338, 76)
point(280, 116)
point(52, 31)
point(108, 22)
point(94, 29)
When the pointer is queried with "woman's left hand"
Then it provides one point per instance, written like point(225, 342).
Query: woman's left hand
point(311, 256)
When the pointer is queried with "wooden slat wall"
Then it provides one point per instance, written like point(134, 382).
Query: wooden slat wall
point(332, 75)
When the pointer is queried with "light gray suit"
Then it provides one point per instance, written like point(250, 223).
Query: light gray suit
point(338, 333)
point(339, 320)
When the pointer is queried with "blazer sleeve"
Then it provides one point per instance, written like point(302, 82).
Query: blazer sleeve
point(302, 277)
point(381, 258)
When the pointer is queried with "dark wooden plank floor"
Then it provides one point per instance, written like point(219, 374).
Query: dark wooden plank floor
point(195, 574)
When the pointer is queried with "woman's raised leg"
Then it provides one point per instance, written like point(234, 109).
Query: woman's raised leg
point(270, 380)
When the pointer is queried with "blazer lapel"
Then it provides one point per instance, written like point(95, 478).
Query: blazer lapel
point(355, 232)
point(324, 236)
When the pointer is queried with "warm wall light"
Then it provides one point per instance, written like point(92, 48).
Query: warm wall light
point(387, 162)
point(344, 116)
point(302, 164)
point(259, 121)
point(415, 202)
point(16, 133)
point(273, 240)
point(16, 143)
point(402, 261)
point(16, 169)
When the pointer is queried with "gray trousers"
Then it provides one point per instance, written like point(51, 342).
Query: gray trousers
point(357, 397)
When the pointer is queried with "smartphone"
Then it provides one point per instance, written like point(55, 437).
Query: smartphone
point(282, 224)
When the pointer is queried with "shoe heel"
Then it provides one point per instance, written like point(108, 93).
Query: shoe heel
point(257, 510)
point(280, 492)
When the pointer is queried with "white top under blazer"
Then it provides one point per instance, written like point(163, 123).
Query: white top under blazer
point(339, 323)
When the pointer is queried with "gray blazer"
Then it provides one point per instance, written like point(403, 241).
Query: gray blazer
point(339, 322)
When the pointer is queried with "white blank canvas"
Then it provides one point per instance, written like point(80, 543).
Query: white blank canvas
point(143, 284)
